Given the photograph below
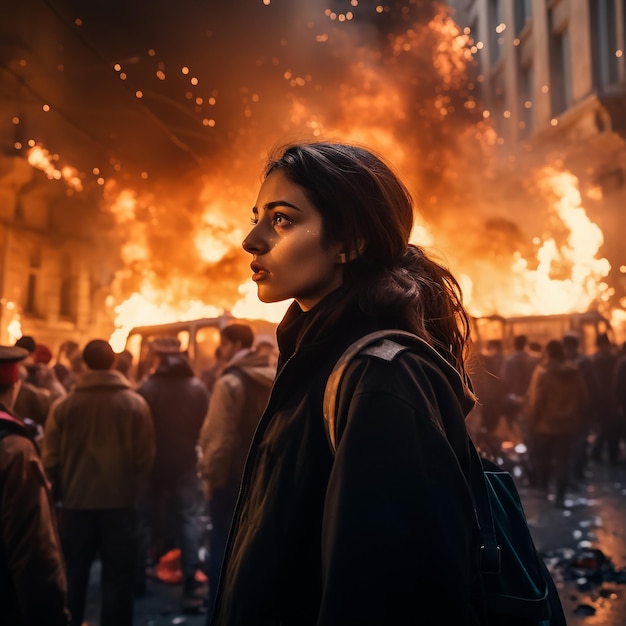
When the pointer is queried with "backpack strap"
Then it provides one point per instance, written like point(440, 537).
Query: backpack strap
point(368, 344)
point(386, 344)
point(10, 425)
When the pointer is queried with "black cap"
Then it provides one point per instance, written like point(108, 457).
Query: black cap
point(26, 342)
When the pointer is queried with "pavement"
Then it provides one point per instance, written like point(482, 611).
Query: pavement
point(583, 544)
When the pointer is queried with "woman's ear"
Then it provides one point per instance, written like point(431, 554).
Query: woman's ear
point(344, 258)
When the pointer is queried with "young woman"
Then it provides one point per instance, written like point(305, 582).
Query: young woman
point(384, 531)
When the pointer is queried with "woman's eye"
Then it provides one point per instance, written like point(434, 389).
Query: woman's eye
point(280, 220)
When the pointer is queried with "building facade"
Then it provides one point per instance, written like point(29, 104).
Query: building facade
point(552, 77)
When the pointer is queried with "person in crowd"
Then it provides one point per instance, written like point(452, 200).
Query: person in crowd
point(239, 396)
point(32, 401)
point(557, 398)
point(178, 401)
point(517, 372)
point(619, 394)
point(44, 376)
point(266, 345)
point(386, 526)
point(98, 444)
point(607, 426)
point(68, 364)
point(580, 451)
point(124, 365)
point(33, 587)
point(490, 392)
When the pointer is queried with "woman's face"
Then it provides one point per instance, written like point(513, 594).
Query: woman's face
point(288, 260)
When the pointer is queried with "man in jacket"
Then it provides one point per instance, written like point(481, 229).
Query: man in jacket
point(32, 579)
point(237, 403)
point(98, 443)
point(556, 400)
point(178, 401)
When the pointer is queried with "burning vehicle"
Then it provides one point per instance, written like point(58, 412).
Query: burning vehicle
point(199, 338)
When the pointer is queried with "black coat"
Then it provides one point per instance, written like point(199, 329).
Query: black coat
point(178, 402)
point(382, 532)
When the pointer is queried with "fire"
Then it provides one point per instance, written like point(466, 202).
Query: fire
point(41, 159)
point(557, 272)
point(412, 101)
point(565, 274)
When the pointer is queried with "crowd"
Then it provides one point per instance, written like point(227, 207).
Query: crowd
point(569, 408)
point(379, 529)
point(115, 469)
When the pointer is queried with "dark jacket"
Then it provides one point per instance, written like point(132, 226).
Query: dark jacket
point(98, 443)
point(383, 531)
point(178, 402)
point(32, 579)
point(557, 398)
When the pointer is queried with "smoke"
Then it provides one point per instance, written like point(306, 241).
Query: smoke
point(177, 105)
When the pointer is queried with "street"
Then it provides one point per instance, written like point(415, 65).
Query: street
point(593, 594)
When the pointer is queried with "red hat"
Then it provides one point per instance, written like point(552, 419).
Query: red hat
point(10, 356)
point(42, 354)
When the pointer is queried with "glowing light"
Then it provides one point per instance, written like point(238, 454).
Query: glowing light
point(15, 120)
point(41, 159)
point(185, 70)
point(139, 93)
point(46, 107)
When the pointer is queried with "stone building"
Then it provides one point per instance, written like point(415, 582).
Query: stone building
point(552, 75)
point(52, 271)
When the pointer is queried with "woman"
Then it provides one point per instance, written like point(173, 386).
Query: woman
point(384, 532)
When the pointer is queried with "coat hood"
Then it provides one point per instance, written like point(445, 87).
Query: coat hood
point(255, 366)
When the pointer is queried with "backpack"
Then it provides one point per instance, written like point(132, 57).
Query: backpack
point(517, 588)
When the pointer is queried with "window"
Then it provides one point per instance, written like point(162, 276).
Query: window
point(523, 10)
point(526, 92)
point(603, 42)
point(67, 290)
point(30, 305)
point(496, 38)
point(560, 68)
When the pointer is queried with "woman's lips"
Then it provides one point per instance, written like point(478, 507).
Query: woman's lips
point(258, 272)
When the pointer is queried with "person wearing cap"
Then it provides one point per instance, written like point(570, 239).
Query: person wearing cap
point(178, 401)
point(32, 579)
point(98, 445)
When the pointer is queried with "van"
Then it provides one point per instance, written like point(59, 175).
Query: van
point(198, 338)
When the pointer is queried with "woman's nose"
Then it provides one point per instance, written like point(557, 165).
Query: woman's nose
point(253, 242)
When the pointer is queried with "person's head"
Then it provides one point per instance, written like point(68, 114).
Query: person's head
point(554, 350)
point(519, 342)
point(26, 342)
point(332, 214)
point(233, 338)
point(494, 346)
point(603, 342)
point(98, 355)
point(571, 342)
point(10, 358)
point(42, 354)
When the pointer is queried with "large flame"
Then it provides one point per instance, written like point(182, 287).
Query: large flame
point(557, 271)
point(564, 275)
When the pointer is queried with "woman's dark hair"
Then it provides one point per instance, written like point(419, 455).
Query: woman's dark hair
point(365, 207)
